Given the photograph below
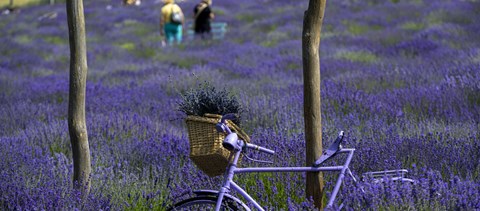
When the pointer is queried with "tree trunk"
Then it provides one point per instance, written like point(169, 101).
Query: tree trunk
point(312, 25)
point(76, 103)
point(11, 4)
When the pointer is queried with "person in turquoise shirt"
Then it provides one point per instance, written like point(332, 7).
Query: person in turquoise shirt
point(172, 31)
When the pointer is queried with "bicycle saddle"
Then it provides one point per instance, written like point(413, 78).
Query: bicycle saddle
point(331, 151)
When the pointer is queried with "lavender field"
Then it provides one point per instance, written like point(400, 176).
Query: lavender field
point(401, 78)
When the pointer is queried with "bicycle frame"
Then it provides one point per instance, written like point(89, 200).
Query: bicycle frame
point(237, 146)
point(232, 170)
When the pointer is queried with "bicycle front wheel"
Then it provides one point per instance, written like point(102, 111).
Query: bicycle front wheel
point(203, 203)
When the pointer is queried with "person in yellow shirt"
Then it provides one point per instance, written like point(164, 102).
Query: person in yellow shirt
point(170, 27)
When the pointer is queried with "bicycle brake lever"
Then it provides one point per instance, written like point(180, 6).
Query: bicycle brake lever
point(258, 161)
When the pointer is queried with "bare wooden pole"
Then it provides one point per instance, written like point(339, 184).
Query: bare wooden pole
point(312, 25)
point(76, 103)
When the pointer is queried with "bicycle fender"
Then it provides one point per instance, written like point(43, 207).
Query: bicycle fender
point(215, 193)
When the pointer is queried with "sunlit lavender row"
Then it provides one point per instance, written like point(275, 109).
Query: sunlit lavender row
point(401, 78)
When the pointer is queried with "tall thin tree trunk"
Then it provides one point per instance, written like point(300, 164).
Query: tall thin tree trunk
point(312, 25)
point(76, 103)
point(11, 4)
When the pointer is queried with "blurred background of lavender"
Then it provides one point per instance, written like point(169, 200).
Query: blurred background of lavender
point(402, 78)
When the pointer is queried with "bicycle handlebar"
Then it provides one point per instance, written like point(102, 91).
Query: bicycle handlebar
point(229, 142)
point(259, 148)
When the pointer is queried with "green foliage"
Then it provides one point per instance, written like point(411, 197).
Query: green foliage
point(56, 40)
point(141, 51)
point(473, 97)
point(219, 11)
point(131, 194)
point(23, 39)
point(359, 29)
point(207, 99)
point(356, 29)
point(128, 46)
point(19, 3)
point(443, 16)
point(25, 3)
point(246, 17)
point(273, 38)
point(294, 66)
point(187, 62)
point(414, 26)
point(42, 72)
point(146, 52)
point(136, 28)
point(357, 56)
point(59, 147)
point(174, 59)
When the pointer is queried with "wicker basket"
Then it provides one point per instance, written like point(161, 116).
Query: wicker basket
point(206, 149)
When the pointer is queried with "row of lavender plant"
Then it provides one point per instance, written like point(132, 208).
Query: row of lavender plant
point(400, 78)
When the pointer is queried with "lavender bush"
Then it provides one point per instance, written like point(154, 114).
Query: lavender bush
point(400, 77)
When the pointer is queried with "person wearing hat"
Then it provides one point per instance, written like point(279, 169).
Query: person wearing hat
point(203, 15)
point(172, 31)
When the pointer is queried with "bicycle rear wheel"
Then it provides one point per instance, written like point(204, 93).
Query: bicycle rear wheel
point(203, 203)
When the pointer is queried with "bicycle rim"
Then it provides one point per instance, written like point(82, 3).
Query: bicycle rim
point(202, 204)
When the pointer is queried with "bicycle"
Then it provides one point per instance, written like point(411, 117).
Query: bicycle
point(222, 200)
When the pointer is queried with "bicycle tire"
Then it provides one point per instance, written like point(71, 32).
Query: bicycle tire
point(208, 202)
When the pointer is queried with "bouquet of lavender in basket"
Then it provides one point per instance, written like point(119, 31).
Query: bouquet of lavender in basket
point(206, 99)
